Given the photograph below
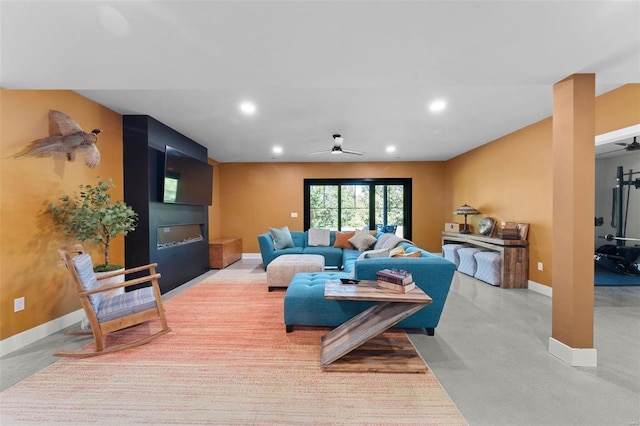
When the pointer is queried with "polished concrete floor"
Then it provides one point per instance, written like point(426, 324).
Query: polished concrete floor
point(490, 353)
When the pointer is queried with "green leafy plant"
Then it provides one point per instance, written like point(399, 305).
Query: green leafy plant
point(91, 215)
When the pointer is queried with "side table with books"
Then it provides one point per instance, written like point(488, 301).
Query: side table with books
point(357, 345)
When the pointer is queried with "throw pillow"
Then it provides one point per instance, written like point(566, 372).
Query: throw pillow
point(362, 240)
point(281, 238)
point(342, 240)
point(319, 237)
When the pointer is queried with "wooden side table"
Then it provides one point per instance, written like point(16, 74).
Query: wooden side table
point(362, 332)
point(224, 251)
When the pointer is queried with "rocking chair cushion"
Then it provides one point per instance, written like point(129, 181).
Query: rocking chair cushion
point(84, 268)
point(126, 304)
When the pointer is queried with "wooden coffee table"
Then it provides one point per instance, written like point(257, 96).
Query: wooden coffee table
point(357, 345)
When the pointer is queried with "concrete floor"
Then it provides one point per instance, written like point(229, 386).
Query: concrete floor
point(490, 353)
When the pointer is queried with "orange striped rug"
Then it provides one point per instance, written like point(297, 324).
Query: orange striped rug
point(228, 360)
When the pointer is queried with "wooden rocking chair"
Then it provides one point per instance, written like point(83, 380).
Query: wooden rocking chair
point(116, 313)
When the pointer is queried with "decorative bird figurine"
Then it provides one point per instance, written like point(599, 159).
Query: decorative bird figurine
point(66, 136)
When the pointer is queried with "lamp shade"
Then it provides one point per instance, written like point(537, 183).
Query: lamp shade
point(465, 210)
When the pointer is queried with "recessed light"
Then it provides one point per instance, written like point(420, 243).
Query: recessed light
point(248, 108)
point(437, 106)
point(391, 149)
point(277, 150)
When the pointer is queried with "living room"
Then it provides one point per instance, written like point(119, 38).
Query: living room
point(518, 189)
point(240, 190)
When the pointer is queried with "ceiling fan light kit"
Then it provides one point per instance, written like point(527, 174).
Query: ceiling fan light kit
point(337, 147)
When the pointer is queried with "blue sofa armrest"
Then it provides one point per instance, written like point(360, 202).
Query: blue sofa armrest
point(433, 274)
point(267, 248)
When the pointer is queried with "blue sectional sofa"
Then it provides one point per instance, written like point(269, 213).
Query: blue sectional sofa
point(305, 305)
point(333, 257)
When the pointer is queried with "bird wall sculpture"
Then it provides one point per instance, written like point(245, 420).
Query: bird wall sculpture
point(66, 136)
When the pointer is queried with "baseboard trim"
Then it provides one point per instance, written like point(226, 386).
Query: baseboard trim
point(540, 288)
point(575, 357)
point(251, 256)
point(20, 340)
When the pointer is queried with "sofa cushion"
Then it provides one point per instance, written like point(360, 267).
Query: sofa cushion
point(362, 240)
point(342, 240)
point(281, 238)
point(332, 255)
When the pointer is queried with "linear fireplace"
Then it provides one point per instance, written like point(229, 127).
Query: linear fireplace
point(177, 235)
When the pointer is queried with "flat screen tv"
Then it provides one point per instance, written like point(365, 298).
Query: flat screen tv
point(187, 180)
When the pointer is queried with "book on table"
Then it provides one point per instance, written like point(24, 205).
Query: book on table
point(394, 276)
point(398, 288)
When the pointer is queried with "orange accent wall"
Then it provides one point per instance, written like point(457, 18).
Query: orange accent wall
point(29, 264)
point(511, 178)
point(256, 196)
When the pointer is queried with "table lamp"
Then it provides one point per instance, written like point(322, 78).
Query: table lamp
point(465, 210)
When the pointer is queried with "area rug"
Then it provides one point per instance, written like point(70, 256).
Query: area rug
point(231, 275)
point(603, 276)
point(227, 361)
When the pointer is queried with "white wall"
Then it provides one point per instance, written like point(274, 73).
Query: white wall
point(605, 181)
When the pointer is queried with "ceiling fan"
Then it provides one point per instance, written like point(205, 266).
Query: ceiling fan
point(633, 146)
point(337, 148)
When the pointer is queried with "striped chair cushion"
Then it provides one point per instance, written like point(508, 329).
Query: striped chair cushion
point(126, 304)
point(84, 268)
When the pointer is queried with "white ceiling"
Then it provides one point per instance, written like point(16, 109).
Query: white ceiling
point(365, 69)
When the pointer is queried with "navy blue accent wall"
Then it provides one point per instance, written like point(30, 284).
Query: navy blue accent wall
point(144, 144)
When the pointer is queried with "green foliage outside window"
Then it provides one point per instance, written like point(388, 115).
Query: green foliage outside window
point(351, 204)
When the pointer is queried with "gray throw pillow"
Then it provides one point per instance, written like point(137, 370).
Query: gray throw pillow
point(281, 238)
point(362, 240)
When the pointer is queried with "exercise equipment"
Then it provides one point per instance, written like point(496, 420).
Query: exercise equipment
point(610, 237)
point(620, 258)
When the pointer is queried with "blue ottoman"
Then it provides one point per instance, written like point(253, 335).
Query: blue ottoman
point(304, 302)
point(489, 267)
point(450, 252)
point(467, 260)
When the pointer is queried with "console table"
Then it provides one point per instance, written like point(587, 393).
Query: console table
point(224, 251)
point(514, 254)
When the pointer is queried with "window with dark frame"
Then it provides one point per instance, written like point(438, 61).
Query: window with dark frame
point(348, 204)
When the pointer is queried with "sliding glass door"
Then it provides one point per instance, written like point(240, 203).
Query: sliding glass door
point(348, 204)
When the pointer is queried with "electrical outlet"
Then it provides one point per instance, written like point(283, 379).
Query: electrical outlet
point(18, 304)
point(540, 266)
point(294, 214)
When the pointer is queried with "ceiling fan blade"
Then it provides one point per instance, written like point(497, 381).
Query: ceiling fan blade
point(352, 152)
point(620, 143)
point(318, 152)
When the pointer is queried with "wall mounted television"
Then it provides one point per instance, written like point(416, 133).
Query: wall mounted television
point(187, 180)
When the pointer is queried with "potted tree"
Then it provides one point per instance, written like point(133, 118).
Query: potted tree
point(91, 215)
